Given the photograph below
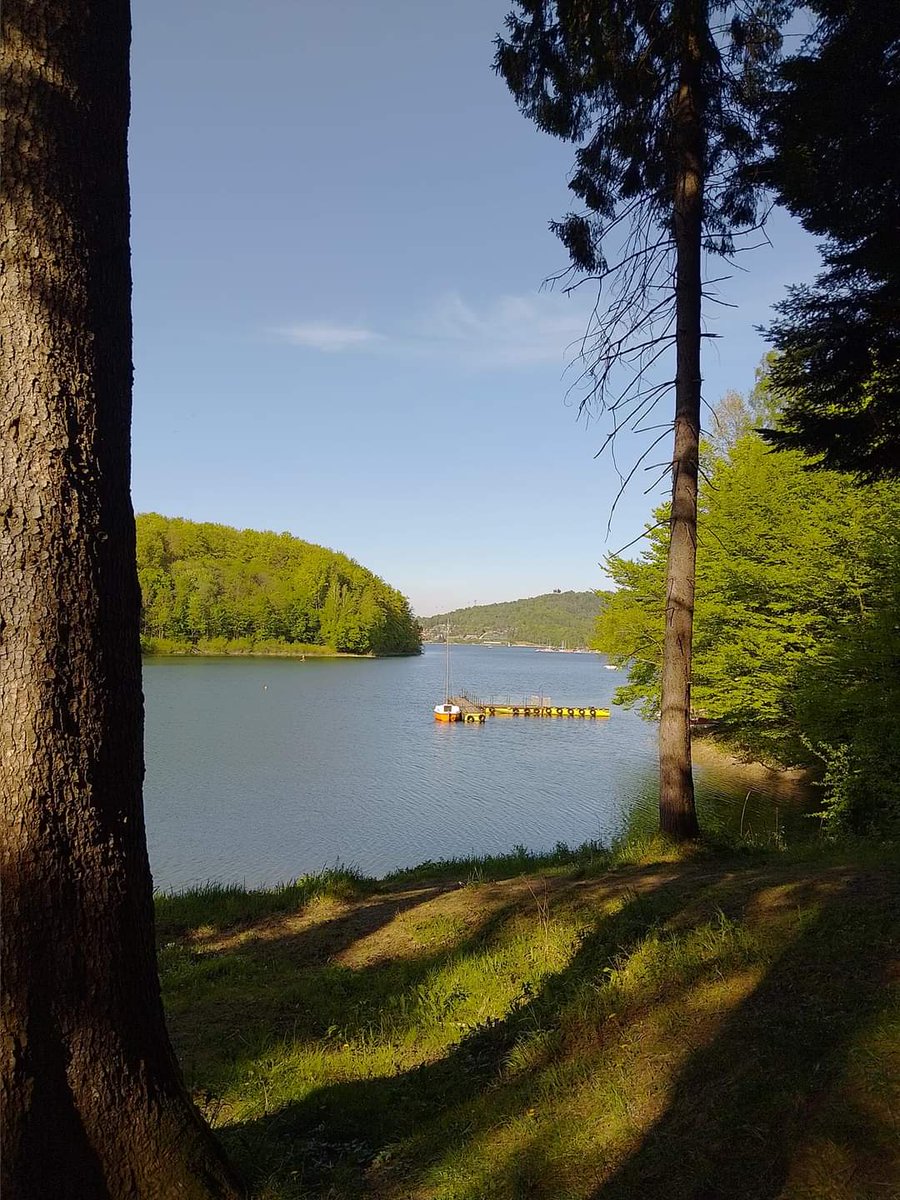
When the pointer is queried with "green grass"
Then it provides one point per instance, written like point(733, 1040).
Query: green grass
point(477, 868)
point(711, 1024)
point(588, 859)
point(216, 906)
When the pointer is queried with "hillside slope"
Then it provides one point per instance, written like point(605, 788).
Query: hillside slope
point(553, 618)
point(204, 582)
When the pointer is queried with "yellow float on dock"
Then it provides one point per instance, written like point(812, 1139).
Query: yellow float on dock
point(545, 710)
point(476, 711)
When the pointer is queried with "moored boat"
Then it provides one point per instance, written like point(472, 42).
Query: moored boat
point(447, 712)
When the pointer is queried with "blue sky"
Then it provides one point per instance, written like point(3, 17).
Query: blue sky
point(339, 239)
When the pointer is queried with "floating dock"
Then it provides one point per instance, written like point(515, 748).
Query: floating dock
point(476, 712)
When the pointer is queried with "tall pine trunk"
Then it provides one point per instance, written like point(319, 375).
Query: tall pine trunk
point(677, 814)
point(93, 1103)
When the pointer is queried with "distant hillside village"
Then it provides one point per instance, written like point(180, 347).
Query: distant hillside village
point(554, 619)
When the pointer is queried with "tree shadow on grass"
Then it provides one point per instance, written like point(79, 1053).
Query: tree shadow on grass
point(337, 1132)
point(218, 917)
point(746, 1106)
point(324, 940)
point(741, 1109)
point(234, 1006)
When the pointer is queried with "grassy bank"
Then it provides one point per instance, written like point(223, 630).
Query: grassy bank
point(600, 1026)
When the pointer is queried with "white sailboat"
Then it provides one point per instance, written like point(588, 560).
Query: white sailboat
point(447, 711)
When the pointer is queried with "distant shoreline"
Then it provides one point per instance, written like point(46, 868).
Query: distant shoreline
point(474, 641)
point(259, 654)
point(181, 650)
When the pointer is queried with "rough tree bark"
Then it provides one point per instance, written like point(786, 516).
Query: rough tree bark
point(677, 814)
point(93, 1104)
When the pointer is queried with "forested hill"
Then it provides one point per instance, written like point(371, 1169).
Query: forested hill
point(552, 619)
point(204, 584)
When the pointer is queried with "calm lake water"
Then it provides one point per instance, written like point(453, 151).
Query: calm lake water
point(259, 770)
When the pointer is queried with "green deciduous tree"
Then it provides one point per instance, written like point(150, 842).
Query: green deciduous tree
point(662, 94)
point(204, 581)
point(797, 622)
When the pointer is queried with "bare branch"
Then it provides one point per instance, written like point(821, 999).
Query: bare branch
point(644, 533)
point(628, 478)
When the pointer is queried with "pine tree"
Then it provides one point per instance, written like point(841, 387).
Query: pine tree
point(836, 130)
point(662, 96)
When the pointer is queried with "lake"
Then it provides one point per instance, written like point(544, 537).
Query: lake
point(262, 769)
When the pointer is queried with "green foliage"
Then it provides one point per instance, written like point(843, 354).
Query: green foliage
point(836, 129)
point(205, 585)
point(234, 647)
point(630, 627)
point(797, 623)
point(550, 619)
point(860, 787)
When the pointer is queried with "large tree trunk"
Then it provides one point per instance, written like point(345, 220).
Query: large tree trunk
point(677, 814)
point(93, 1104)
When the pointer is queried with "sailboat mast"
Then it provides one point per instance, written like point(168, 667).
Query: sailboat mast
point(447, 663)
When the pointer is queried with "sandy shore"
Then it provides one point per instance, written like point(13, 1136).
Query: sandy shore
point(792, 782)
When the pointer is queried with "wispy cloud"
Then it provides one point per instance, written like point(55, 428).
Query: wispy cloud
point(508, 331)
point(332, 339)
